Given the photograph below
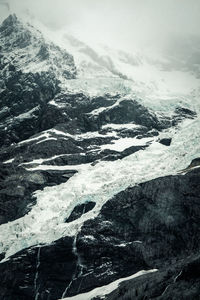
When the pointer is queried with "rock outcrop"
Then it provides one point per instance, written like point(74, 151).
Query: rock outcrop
point(151, 226)
point(48, 135)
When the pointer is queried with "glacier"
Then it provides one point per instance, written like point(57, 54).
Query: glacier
point(45, 222)
point(84, 72)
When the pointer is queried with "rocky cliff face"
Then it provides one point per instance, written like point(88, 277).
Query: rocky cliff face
point(154, 225)
point(30, 72)
point(89, 185)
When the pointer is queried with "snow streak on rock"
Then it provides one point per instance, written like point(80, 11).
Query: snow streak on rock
point(45, 222)
point(107, 289)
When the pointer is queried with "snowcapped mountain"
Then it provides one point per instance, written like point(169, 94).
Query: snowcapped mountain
point(99, 172)
point(25, 47)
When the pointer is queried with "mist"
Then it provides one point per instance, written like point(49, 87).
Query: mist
point(127, 24)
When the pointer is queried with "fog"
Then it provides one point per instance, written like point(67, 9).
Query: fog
point(125, 24)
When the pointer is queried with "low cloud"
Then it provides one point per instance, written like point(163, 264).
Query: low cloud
point(126, 24)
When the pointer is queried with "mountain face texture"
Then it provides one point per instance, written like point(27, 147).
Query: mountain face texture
point(154, 225)
point(100, 191)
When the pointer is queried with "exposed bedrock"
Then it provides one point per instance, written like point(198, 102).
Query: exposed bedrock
point(48, 131)
point(152, 225)
point(17, 187)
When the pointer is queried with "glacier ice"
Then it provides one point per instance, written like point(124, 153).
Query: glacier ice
point(45, 222)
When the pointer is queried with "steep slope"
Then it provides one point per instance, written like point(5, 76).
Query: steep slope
point(42, 123)
point(147, 74)
point(80, 172)
point(145, 227)
point(25, 47)
point(30, 71)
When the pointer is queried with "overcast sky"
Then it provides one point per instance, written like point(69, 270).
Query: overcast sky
point(121, 23)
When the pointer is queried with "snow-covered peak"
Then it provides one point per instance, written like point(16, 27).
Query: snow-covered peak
point(27, 50)
point(93, 69)
point(11, 20)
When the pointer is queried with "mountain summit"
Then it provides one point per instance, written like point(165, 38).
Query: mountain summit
point(26, 48)
point(99, 181)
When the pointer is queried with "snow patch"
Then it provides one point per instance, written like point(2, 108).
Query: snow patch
point(42, 160)
point(57, 168)
point(45, 135)
point(53, 102)
point(121, 126)
point(107, 289)
point(124, 143)
point(9, 161)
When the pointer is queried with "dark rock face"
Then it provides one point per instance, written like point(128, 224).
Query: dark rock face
point(182, 113)
point(130, 111)
point(22, 119)
point(165, 141)
point(19, 37)
point(185, 112)
point(79, 210)
point(24, 92)
point(45, 278)
point(17, 187)
point(152, 225)
point(153, 222)
point(195, 162)
point(24, 101)
point(176, 282)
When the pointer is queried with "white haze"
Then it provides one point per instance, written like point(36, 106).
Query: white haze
point(164, 34)
point(125, 24)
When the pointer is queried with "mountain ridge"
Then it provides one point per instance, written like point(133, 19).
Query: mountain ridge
point(92, 174)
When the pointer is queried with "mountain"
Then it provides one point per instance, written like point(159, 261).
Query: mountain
point(99, 174)
point(172, 72)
